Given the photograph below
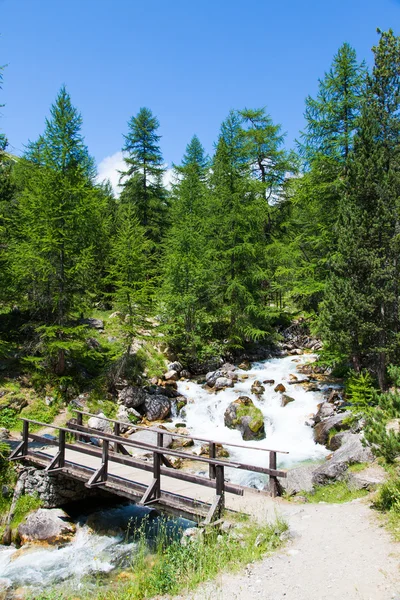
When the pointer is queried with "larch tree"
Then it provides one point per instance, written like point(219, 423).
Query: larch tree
point(361, 309)
point(58, 223)
point(186, 290)
point(142, 180)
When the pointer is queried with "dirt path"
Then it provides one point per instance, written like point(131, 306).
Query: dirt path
point(337, 551)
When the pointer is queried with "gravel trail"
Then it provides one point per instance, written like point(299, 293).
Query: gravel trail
point(337, 551)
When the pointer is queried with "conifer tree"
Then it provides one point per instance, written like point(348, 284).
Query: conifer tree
point(142, 182)
point(361, 313)
point(239, 215)
point(58, 224)
point(186, 287)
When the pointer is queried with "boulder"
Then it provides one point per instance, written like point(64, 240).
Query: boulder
point(325, 410)
point(269, 381)
point(128, 416)
point(280, 388)
point(223, 382)
point(132, 396)
point(175, 366)
point(212, 377)
point(157, 408)
point(286, 400)
point(46, 525)
point(298, 479)
point(322, 429)
point(228, 367)
point(247, 418)
point(257, 388)
point(171, 375)
point(367, 479)
point(147, 436)
point(4, 434)
point(185, 374)
point(245, 365)
point(352, 450)
point(328, 472)
point(93, 323)
point(100, 423)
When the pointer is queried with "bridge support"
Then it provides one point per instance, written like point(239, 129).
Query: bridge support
point(58, 462)
point(99, 477)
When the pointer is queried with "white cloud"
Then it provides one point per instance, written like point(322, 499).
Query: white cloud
point(111, 166)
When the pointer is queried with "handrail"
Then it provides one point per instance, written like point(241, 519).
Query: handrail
point(181, 435)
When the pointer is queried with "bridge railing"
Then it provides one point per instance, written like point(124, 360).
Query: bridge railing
point(273, 485)
point(111, 451)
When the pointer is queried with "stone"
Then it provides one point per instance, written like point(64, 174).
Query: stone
point(228, 367)
point(127, 416)
point(269, 381)
point(147, 436)
point(393, 425)
point(322, 429)
point(212, 377)
point(367, 479)
point(352, 450)
point(4, 433)
point(115, 314)
point(92, 343)
point(181, 442)
point(100, 423)
point(325, 410)
point(157, 408)
point(328, 472)
point(132, 396)
point(171, 375)
point(257, 388)
point(286, 400)
point(175, 366)
point(299, 479)
point(223, 382)
point(280, 388)
point(93, 323)
point(243, 415)
point(220, 451)
point(185, 374)
point(46, 525)
point(245, 365)
point(191, 535)
point(335, 441)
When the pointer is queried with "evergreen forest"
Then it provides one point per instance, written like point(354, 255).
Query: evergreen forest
point(241, 243)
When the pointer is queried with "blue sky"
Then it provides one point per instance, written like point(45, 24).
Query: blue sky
point(190, 62)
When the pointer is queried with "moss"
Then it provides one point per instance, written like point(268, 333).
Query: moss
point(248, 410)
point(24, 505)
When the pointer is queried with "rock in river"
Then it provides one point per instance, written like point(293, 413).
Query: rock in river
point(157, 407)
point(243, 415)
point(46, 525)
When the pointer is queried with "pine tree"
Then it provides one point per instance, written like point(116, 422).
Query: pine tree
point(142, 181)
point(185, 294)
point(239, 214)
point(361, 314)
point(58, 224)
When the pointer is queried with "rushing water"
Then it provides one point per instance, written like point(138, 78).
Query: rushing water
point(284, 426)
point(98, 549)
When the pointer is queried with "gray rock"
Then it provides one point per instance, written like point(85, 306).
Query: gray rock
point(322, 429)
point(147, 436)
point(94, 323)
point(4, 433)
point(299, 479)
point(325, 410)
point(336, 441)
point(223, 382)
point(212, 377)
point(132, 396)
point(286, 400)
point(328, 472)
point(185, 374)
point(257, 388)
point(243, 415)
point(175, 366)
point(100, 424)
point(352, 450)
point(367, 479)
point(46, 525)
point(157, 407)
point(171, 375)
point(128, 416)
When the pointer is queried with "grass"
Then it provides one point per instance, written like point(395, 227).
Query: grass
point(358, 467)
point(24, 505)
point(174, 568)
point(334, 493)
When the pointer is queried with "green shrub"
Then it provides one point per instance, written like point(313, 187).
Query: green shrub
point(24, 505)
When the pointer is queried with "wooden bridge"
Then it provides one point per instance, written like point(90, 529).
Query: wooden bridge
point(151, 480)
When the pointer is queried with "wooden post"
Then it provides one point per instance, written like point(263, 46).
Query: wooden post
point(273, 481)
point(104, 460)
point(61, 448)
point(211, 454)
point(79, 421)
point(157, 459)
point(220, 485)
point(25, 436)
point(117, 431)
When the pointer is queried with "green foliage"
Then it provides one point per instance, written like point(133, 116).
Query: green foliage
point(360, 392)
point(25, 504)
point(335, 493)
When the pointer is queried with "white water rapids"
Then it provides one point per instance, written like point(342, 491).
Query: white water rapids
point(90, 553)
